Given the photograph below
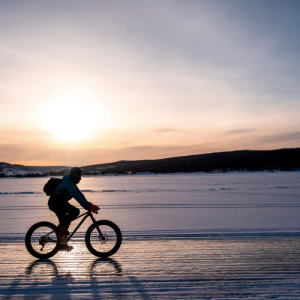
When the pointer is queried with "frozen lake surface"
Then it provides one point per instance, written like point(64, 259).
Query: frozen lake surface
point(215, 236)
point(158, 269)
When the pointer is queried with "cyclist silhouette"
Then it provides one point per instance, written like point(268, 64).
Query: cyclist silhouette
point(59, 202)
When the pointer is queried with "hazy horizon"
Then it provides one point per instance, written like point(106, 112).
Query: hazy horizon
point(94, 82)
point(109, 162)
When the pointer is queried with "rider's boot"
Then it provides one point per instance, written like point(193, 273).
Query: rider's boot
point(63, 240)
point(65, 248)
point(63, 230)
point(63, 234)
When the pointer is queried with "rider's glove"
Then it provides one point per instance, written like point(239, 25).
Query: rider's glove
point(94, 208)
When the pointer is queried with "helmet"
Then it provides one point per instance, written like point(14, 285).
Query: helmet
point(75, 171)
point(75, 174)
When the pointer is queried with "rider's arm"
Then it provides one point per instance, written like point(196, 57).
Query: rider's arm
point(77, 194)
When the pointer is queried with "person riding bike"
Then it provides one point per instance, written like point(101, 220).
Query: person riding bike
point(59, 202)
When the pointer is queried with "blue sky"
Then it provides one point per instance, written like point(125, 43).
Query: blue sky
point(146, 79)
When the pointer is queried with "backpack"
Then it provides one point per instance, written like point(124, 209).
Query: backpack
point(51, 185)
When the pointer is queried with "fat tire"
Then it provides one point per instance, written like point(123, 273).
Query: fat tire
point(28, 240)
point(114, 249)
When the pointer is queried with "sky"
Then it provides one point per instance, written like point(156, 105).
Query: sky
point(88, 82)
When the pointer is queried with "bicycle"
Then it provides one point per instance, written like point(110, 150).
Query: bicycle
point(103, 238)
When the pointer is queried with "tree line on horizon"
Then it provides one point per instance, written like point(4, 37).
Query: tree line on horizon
point(241, 160)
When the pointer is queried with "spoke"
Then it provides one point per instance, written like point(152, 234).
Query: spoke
point(107, 242)
point(43, 240)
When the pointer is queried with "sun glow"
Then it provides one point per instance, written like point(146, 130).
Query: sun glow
point(73, 115)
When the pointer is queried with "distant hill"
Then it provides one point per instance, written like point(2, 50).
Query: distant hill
point(7, 170)
point(242, 160)
point(45, 169)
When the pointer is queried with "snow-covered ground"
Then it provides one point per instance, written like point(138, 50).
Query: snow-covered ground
point(13, 170)
point(217, 236)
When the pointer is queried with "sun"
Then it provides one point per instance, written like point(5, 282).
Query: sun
point(72, 115)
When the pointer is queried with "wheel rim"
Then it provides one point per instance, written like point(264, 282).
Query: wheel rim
point(105, 243)
point(43, 240)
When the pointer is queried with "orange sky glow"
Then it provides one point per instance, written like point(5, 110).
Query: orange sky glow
point(87, 82)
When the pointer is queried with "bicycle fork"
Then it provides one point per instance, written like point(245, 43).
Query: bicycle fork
point(98, 229)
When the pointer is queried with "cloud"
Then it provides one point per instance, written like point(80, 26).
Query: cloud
point(281, 138)
point(171, 130)
point(239, 131)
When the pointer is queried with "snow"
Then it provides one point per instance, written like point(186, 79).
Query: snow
point(14, 172)
point(194, 236)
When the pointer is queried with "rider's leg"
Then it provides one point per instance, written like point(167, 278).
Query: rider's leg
point(73, 212)
point(70, 213)
point(60, 207)
point(64, 211)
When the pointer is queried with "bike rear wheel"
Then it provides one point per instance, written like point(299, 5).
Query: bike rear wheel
point(41, 240)
point(106, 245)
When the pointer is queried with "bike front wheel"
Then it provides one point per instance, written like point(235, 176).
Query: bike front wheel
point(105, 244)
point(41, 240)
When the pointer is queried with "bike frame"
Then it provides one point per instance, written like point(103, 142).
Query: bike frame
point(87, 214)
